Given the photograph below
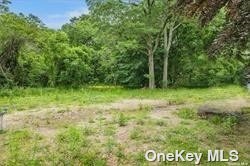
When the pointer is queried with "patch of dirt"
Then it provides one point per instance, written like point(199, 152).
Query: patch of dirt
point(47, 132)
point(122, 135)
point(132, 104)
point(47, 120)
point(166, 114)
point(112, 160)
point(51, 116)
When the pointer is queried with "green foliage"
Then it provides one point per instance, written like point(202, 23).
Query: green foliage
point(187, 113)
point(227, 122)
point(136, 134)
point(71, 142)
point(18, 99)
point(131, 69)
point(16, 33)
point(122, 120)
point(73, 149)
point(204, 72)
point(4, 6)
point(22, 148)
point(110, 46)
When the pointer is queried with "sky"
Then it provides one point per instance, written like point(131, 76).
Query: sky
point(54, 13)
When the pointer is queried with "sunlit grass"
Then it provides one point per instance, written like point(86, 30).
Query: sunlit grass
point(21, 99)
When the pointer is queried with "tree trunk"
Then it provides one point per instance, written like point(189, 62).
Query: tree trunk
point(151, 70)
point(151, 64)
point(167, 45)
point(165, 73)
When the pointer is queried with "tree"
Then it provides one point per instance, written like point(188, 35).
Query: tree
point(81, 31)
point(139, 22)
point(168, 39)
point(152, 43)
point(171, 15)
point(235, 31)
point(4, 6)
point(13, 36)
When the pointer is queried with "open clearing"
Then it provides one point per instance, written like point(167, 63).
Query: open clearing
point(116, 126)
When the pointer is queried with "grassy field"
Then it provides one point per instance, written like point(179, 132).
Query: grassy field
point(65, 127)
point(23, 99)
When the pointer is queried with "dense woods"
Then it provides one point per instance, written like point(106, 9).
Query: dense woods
point(127, 78)
point(148, 43)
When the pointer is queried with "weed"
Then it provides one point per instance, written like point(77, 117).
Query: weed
point(120, 154)
point(70, 144)
point(187, 113)
point(109, 131)
point(136, 133)
point(227, 122)
point(181, 138)
point(140, 158)
point(122, 120)
point(88, 130)
point(110, 145)
point(23, 147)
point(91, 158)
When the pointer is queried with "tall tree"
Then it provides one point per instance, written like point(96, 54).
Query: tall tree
point(13, 36)
point(140, 20)
point(172, 19)
point(168, 40)
point(152, 42)
point(237, 28)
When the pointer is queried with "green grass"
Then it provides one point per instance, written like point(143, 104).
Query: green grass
point(120, 137)
point(187, 113)
point(21, 99)
point(122, 120)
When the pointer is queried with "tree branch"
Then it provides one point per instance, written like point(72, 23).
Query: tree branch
point(177, 26)
point(159, 35)
point(4, 74)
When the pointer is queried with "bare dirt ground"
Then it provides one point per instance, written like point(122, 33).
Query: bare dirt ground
point(47, 120)
point(45, 116)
